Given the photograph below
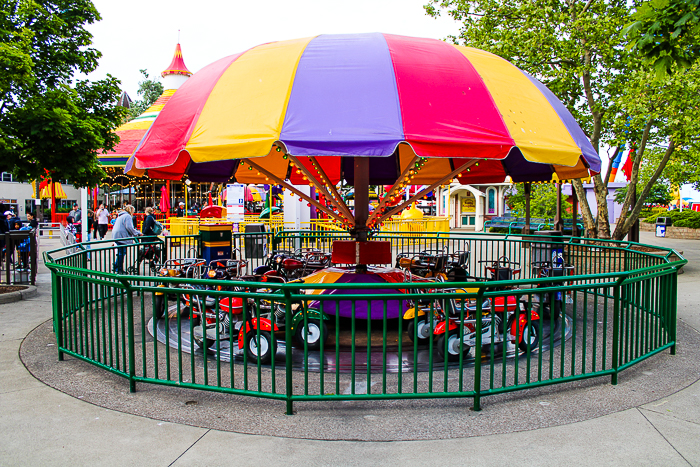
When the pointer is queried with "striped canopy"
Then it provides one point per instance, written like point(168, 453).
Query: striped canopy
point(131, 133)
point(391, 98)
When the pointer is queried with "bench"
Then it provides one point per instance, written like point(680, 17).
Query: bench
point(516, 223)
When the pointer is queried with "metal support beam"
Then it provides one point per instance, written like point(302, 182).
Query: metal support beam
point(574, 209)
point(528, 195)
point(558, 221)
point(361, 198)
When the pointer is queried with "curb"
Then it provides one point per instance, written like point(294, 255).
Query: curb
point(29, 292)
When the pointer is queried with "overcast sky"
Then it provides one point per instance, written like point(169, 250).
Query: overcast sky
point(142, 34)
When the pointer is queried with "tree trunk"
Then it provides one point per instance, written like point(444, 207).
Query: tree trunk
point(601, 198)
point(623, 228)
point(586, 214)
point(632, 186)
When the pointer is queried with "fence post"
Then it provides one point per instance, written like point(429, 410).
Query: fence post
point(33, 251)
point(57, 315)
point(673, 312)
point(477, 351)
point(616, 329)
point(130, 331)
point(8, 257)
point(288, 351)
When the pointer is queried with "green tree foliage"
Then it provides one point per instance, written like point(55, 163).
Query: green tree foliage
point(660, 194)
point(576, 48)
point(543, 201)
point(149, 90)
point(48, 122)
point(665, 33)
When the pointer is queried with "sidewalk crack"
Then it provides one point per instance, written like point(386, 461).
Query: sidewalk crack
point(661, 434)
point(190, 447)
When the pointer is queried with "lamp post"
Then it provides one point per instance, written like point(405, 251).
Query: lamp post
point(188, 182)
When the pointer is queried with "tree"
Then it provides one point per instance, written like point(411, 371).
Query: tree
point(47, 122)
point(668, 112)
point(665, 34)
point(543, 200)
point(150, 90)
point(577, 50)
point(660, 194)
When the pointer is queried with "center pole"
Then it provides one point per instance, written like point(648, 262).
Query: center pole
point(361, 198)
point(361, 204)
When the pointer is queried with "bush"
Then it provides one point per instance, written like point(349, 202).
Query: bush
point(690, 219)
point(687, 218)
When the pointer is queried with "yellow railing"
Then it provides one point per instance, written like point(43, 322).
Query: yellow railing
point(417, 226)
point(190, 226)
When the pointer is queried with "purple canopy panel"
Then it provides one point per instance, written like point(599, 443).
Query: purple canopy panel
point(344, 99)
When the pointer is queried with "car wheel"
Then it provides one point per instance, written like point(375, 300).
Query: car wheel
point(453, 347)
point(159, 305)
point(419, 331)
point(313, 334)
point(530, 338)
point(259, 349)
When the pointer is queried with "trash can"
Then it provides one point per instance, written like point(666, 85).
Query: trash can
point(548, 249)
point(661, 224)
point(254, 240)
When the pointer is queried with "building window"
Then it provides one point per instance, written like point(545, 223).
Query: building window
point(6, 177)
point(491, 200)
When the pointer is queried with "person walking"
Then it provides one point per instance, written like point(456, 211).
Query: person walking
point(90, 224)
point(102, 220)
point(123, 229)
point(149, 223)
point(78, 216)
point(4, 228)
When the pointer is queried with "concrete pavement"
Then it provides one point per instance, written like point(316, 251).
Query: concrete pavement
point(42, 426)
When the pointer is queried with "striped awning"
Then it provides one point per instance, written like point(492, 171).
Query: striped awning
point(45, 192)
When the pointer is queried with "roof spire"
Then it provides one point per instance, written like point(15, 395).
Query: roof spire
point(177, 66)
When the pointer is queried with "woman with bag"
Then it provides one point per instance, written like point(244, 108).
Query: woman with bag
point(150, 228)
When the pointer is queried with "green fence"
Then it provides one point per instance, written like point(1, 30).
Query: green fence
point(618, 308)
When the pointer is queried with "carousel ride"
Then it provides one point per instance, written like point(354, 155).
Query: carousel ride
point(364, 109)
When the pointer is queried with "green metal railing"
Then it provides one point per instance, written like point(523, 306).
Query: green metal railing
point(618, 309)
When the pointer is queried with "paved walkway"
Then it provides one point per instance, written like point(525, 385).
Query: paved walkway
point(41, 426)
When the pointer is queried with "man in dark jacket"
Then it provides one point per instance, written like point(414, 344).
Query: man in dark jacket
point(4, 228)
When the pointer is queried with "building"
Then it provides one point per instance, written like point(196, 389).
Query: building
point(472, 205)
point(21, 196)
point(614, 208)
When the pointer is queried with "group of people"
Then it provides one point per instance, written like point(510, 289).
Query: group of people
point(124, 229)
point(8, 222)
